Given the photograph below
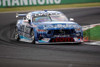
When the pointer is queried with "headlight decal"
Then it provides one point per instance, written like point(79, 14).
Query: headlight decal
point(41, 30)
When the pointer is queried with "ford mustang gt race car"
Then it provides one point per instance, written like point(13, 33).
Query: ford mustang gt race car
point(47, 27)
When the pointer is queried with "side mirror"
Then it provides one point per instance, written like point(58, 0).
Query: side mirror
point(71, 19)
point(29, 21)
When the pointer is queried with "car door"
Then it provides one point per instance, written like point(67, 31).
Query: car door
point(25, 29)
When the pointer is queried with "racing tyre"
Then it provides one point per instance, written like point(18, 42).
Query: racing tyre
point(16, 35)
point(32, 37)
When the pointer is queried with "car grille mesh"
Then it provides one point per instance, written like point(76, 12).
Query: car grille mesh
point(62, 32)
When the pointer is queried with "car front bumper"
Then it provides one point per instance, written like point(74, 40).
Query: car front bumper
point(60, 40)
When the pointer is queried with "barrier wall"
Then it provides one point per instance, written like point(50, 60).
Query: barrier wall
point(14, 3)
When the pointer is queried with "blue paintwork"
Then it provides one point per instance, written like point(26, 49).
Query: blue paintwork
point(49, 26)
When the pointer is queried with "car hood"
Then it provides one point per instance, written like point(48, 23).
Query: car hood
point(56, 25)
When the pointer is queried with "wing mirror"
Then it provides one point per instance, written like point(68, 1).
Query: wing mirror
point(71, 19)
point(29, 21)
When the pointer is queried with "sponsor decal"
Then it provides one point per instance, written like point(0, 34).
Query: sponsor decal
point(46, 14)
point(61, 26)
point(27, 2)
point(62, 40)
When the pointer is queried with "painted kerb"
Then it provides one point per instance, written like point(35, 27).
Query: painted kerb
point(14, 3)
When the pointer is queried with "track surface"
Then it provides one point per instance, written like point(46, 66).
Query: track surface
point(20, 54)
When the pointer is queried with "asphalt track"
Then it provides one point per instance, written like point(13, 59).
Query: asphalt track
point(20, 54)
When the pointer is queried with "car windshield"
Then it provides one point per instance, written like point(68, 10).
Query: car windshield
point(58, 18)
point(41, 19)
point(49, 18)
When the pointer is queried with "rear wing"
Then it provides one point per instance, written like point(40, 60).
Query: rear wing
point(20, 15)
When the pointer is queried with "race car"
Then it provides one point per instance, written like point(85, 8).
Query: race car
point(47, 27)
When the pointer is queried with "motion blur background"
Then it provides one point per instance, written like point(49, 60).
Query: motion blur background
point(20, 54)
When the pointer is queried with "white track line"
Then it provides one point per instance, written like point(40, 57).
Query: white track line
point(93, 43)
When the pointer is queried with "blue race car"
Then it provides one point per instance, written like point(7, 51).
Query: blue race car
point(47, 27)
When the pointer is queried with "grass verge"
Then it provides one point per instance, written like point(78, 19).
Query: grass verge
point(93, 33)
point(32, 8)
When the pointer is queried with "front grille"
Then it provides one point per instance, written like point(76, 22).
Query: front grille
point(62, 31)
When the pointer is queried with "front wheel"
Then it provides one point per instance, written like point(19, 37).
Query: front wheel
point(32, 37)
